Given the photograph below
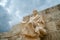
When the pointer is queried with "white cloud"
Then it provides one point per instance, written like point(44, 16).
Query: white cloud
point(3, 2)
point(17, 14)
point(16, 18)
point(10, 8)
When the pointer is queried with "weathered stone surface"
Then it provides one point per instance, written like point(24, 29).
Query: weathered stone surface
point(53, 35)
point(52, 19)
point(3, 39)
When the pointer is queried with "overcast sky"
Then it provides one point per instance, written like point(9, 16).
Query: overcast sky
point(16, 9)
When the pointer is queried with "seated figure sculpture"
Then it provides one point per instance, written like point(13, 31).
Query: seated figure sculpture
point(34, 28)
point(38, 22)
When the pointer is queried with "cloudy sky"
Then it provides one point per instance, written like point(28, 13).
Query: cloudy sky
point(16, 9)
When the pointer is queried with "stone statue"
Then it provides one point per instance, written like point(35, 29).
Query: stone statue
point(44, 26)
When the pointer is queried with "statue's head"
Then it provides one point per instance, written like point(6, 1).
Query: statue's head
point(35, 12)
